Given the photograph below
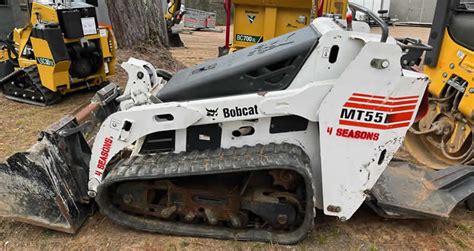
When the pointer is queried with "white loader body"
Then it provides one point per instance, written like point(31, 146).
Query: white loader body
point(356, 98)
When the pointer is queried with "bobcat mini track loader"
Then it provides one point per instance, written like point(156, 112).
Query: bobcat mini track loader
point(242, 147)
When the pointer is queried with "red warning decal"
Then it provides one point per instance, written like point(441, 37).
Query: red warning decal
point(378, 112)
point(104, 155)
point(354, 134)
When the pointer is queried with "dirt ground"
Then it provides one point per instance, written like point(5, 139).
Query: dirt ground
point(19, 125)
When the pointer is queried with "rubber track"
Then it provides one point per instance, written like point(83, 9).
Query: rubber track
point(247, 158)
point(49, 97)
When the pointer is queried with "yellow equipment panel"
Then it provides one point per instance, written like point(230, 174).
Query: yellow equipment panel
point(338, 7)
point(260, 20)
point(454, 60)
point(53, 74)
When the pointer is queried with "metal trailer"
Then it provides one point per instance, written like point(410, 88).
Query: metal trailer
point(199, 19)
point(382, 7)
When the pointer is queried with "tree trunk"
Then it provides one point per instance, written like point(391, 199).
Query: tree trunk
point(138, 21)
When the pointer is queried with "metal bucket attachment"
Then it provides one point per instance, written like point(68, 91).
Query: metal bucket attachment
point(47, 185)
point(408, 191)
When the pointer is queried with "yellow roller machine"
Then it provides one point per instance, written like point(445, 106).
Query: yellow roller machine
point(256, 21)
point(445, 136)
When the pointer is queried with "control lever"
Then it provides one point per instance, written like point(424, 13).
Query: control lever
point(413, 50)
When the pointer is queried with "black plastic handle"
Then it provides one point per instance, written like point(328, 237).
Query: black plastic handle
point(374, 16)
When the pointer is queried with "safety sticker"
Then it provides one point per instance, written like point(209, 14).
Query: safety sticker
point(114, 124)
point(326, 51)
point(251, 18)
point(103, 32)
point(45, 61)
point(248, 38)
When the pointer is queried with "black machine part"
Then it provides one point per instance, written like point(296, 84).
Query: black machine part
point(8, 66)
point(71, 24)
point(70, 20)
point(86, 58)
point(460, 28)
point(268, 66)
point(44, 186)
point(449, 15)
point(47, 185)
point(413, 50)
point(52, 34)
point(407, 191)
point(155, 193)
point(9, 45)
point(24, 85)
point(93, 2)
